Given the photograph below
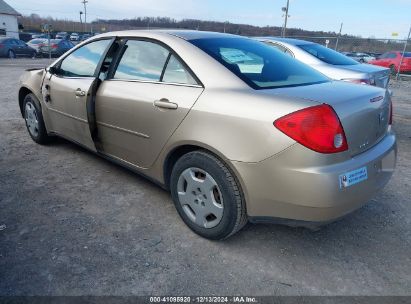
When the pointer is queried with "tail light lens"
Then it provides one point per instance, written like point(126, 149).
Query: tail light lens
point(317, 128)
point(54, 46)
point(361, 81)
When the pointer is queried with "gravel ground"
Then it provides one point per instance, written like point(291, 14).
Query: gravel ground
point(72, 223)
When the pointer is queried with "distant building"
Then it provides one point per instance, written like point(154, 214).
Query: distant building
point(9, 26)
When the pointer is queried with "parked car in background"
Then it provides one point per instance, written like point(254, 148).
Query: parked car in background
point(34, 36)
point(360, 57)
point(375, 55)
point(329, 62)
point(269, 138)
point(392, 61)
point(57, 47)
point(37, 43)
point(62, 35)
point(86, 36)
point(74, 37)
point(12, 48)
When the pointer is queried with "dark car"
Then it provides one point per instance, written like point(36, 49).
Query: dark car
point(12, 48)
point(57, 48)
point(85, 37)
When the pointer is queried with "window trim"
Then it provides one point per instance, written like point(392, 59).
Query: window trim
point(120, 53)
point(275, 43)
point(99, 64)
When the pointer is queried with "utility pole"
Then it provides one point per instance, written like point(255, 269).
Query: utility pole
point(338, 37)
point(285, 9)
point(85, 15)
point(403, 53)
point(81, 21)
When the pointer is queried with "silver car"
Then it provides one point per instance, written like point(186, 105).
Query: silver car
point(329, 62)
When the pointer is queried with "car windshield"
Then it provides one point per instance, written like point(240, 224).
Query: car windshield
point(259, 65)
point(327, 55)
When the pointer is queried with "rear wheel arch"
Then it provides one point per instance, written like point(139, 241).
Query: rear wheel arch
point(176, 153)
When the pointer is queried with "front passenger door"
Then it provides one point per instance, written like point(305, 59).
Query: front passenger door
point(68, 92)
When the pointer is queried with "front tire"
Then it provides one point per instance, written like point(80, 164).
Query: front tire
point(34, 120)
point(207, 196)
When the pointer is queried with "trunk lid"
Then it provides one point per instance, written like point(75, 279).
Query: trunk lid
point(380, 74)
point(363, 110)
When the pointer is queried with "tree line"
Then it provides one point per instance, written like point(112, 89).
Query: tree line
point(349, 43)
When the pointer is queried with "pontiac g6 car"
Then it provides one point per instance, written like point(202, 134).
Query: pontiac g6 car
point(236, 130)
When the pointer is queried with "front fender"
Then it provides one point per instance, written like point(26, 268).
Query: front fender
point(30, 82)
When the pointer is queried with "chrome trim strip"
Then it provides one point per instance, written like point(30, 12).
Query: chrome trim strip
point(156, 82)
point(68, 115)
point(122, 129)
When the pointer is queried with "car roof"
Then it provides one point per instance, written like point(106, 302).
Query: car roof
point(183, 34)
point(291, 41)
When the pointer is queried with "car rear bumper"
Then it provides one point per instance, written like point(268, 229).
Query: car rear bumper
point(299, 184)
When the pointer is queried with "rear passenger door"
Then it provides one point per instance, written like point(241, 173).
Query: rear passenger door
point(142, 101)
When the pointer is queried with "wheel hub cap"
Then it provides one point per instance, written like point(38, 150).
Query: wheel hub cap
point(200, 197)
point(31, 119)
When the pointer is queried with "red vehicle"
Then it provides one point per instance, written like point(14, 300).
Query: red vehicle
point(392, 60)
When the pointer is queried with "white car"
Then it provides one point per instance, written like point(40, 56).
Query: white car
point(74, 37)
point(329, 62)
point(37, 43)
point(360, 57)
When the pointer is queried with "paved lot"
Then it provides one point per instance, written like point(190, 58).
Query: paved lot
point(72, 223)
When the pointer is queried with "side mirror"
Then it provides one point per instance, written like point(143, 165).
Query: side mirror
point(53, 70)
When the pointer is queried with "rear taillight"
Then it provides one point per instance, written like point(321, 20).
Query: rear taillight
point(317, 128)
point(361, 81)
point(54, 46)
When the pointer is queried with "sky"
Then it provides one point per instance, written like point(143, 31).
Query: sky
point(366, 18)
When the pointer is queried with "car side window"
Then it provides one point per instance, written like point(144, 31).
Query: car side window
point(392, 55)
point(83, 61)
point(175, 72)
point(142, 60)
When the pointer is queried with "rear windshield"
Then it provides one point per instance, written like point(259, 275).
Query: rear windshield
point(407, 54)
point(259, 65)
point(327, 55)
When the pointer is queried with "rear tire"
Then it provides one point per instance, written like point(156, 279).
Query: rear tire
point(207, 196)
point(34, 120)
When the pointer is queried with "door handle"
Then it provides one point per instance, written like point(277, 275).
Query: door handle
point(79, 93)
point(164, 103)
